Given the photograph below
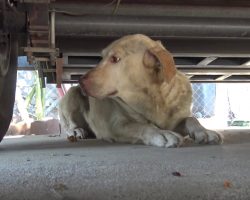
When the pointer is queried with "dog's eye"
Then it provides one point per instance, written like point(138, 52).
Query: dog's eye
point(115, 59)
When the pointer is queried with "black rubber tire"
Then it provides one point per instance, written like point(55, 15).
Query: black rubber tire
point(8, 89)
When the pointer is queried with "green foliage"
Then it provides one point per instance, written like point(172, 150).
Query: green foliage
point(38, 93)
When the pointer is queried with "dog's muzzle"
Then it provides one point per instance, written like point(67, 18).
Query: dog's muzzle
point(81, 81)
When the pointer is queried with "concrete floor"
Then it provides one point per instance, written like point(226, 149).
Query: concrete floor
point(42, 167)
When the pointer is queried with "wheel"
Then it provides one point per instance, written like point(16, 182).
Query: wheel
point(7, 82)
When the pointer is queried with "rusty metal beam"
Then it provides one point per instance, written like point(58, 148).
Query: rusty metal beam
point(59, 72)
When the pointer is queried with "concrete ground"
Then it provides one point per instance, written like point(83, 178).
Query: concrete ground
point(42, 167)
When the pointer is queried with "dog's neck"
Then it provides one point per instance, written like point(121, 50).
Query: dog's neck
point(160, 105)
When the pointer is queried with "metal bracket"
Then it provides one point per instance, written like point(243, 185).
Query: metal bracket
point(53, 52)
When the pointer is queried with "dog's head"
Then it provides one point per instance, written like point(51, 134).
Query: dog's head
point(131, 65)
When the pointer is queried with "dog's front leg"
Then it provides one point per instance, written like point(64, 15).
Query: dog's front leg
point(145, 133)
point(192, 127)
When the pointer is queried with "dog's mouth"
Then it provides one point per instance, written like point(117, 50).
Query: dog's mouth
point(111, 94)
point(90, 88)
point(83, 92)
point(88, 93)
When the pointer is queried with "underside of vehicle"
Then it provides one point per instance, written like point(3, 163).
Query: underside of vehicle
point(63, 39)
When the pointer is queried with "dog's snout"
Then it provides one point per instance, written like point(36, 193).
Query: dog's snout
point(84, 83)
point(83, 77)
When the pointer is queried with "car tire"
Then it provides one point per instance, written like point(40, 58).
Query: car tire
point(8, 88)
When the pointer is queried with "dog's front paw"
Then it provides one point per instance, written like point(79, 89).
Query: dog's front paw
point(165, 139)
point(72, 138)
point(78, 133)
point(207, 137)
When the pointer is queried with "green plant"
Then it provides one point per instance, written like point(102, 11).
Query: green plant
point(37, 92)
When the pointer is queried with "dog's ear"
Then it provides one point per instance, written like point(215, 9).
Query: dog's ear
point(160, 58)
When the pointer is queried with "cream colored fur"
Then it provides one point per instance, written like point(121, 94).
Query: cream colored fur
point(135, 94)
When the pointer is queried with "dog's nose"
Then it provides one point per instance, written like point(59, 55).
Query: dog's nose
point(84, 82)
point(83, 79)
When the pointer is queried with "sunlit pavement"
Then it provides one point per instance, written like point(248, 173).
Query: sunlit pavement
point(42, 167)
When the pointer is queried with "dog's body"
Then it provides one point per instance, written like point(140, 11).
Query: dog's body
point(135, 94)
point(71, 113)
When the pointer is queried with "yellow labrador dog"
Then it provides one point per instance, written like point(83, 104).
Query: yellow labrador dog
point(135, 94)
